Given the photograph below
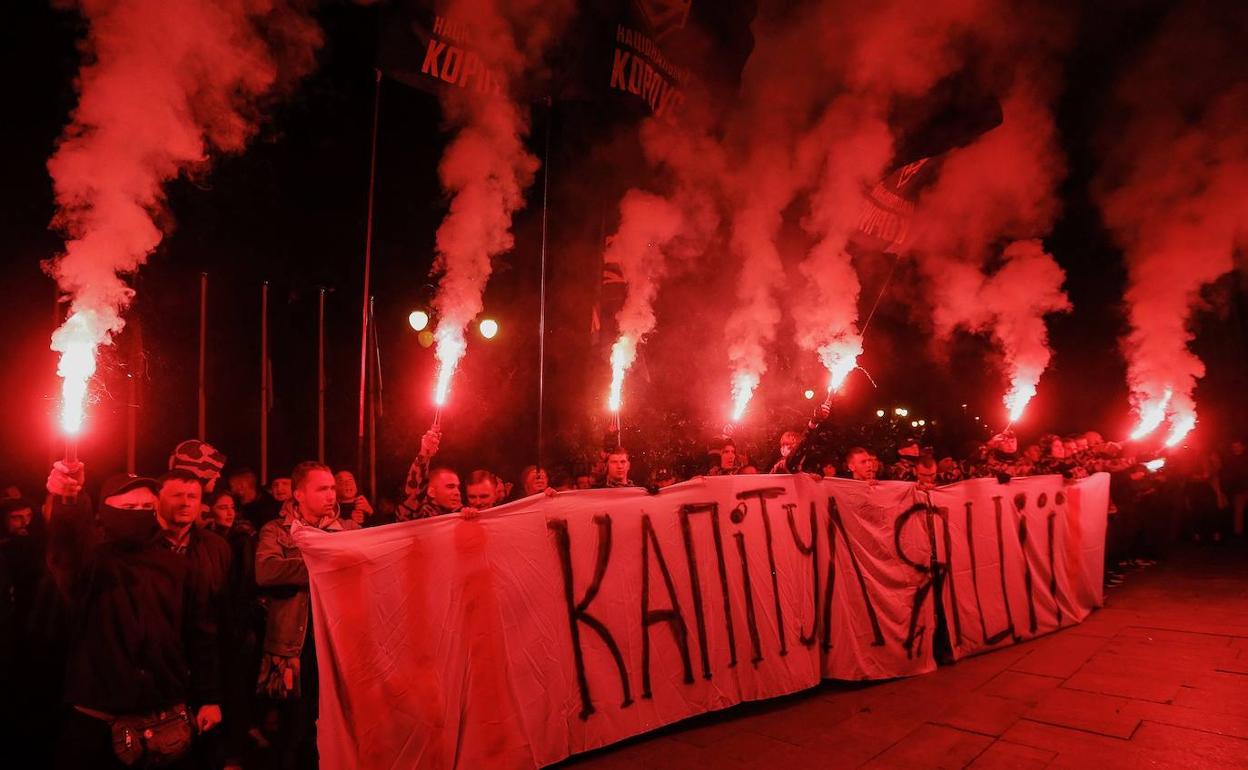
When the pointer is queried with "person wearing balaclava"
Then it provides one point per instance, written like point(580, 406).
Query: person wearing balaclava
point(908, 455)
point(143, 643)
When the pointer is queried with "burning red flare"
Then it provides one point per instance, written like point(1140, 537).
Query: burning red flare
point(1022, 390)
point(743, 385)
point(1152, 414)
point(622, 354)
point(486, 168)
point(164, 87)
point(451, 347)
point(76, 341)
point(1180, 425)
point(840, 358)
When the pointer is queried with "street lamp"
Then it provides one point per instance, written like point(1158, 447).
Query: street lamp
point(488, 328)
point(418, 320)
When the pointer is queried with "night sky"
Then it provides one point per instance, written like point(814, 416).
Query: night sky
point(292, 210)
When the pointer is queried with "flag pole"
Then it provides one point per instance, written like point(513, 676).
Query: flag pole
point(374, 385)
point(133, 371)
point(320, 377)
point(264, 382)
point(366, 304)
point(203, 346)
point(55, 446)
point(541, 316)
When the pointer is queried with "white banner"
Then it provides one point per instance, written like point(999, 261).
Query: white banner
point(552, 626)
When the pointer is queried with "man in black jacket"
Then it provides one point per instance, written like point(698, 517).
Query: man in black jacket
point(144, 629)
point(179, 501)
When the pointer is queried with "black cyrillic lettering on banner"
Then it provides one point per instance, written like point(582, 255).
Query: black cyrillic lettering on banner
point(578, 611)
point(1022, 544)
point(751, 621)
point(946, 571)
point(979, 604)
point(834, 514)
point(1005, 588)
point(932, 571)
point(671, 616)
point(695, 582)
point(830, 588)
point(1052, 522)
point(941, 571)
point(763, 495)
point(811, 550)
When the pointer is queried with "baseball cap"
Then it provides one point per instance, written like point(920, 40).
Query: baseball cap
point(120, 483)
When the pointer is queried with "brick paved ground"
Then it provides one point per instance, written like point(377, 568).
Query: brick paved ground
point(1158, 678)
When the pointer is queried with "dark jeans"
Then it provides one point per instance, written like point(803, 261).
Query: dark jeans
point(87, 742)
point(297, 737)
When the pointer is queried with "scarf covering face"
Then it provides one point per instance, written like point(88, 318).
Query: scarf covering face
point(128, 525)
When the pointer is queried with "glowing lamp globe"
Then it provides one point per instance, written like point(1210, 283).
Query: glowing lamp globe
point(418, 319)
point(879, 412)
point(488, 328)
point(425, 338)
point(809, 394)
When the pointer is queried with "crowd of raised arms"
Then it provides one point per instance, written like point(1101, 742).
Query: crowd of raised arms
point(178, 606)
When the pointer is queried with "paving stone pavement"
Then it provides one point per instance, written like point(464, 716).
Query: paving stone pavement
point(1158, 678)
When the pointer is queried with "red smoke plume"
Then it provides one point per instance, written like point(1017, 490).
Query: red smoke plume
point(485, 168)
point(656, 231)
point(1000, 190)
point(1010, 304)
point(817, 126)
point(1174, 192)
point(165, 85)
point(858, 146)
point(647, 223)
point(811, 133)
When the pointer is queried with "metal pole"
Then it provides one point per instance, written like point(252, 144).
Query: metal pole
point(203, 344)
point(366, 304)
point(372, 405)
point(57, 319)
point(264, 382)
point(541, 316)
point(320, 378)
point(134, 370)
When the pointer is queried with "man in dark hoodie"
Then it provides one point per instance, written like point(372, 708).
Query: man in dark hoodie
point(144, 631)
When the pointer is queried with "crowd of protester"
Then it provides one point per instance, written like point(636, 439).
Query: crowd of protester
point(170, 616)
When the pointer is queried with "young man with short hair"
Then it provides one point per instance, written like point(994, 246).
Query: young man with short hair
point(618, 466)
point(288, 669)
point(483, 489)
point(859, 464)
